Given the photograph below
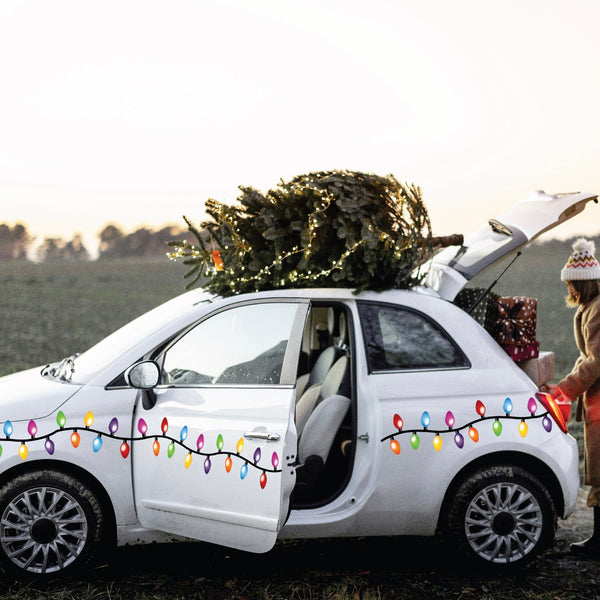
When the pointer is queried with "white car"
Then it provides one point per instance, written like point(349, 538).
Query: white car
point(292, 414)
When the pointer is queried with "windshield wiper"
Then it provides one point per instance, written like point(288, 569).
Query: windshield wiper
point(62, 370)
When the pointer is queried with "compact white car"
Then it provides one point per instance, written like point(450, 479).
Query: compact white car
point(294, 413)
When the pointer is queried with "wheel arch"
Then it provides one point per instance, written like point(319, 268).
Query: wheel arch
point(77, 472)
point(518, 459)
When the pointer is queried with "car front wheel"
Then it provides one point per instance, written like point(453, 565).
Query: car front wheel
point(502, 516)
point(50, 523)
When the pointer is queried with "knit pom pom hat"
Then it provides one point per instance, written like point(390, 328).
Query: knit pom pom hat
point(581, 264)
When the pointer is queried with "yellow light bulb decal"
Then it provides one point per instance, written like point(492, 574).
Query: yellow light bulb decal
point(188, 460)
point(523, 428)
point(88, 420)
point(437, 443)
point(23, 451)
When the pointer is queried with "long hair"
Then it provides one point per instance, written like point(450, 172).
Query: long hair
point(588, 289)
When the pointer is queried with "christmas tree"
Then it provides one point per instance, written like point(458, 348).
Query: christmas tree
point(323, 229)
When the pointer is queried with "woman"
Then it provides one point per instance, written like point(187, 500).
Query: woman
point(582, 275)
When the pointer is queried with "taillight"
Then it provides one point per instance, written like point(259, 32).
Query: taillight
point(550, 404)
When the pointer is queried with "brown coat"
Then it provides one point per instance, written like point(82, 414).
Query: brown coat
point(584, 383)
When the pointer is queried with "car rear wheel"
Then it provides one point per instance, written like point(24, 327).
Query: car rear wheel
point(50, 523)
point(502, 516)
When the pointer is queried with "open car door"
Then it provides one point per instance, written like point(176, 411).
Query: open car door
point(213, 458)
point(450, 269)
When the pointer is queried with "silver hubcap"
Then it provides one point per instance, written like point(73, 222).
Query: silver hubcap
point(503, 522)
point(43, 530)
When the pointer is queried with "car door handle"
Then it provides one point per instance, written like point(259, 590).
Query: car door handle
point(262, 435)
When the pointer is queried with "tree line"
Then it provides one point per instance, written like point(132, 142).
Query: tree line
point(16, 243)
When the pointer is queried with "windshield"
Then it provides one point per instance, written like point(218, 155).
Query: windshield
point(86, 365)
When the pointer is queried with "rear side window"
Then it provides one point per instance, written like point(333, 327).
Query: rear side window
point(403, 339)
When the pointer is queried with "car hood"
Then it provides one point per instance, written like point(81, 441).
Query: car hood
point(450, 269)
point(20, 395)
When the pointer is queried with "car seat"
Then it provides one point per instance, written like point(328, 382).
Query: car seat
point(328, 356)
point(336, 382)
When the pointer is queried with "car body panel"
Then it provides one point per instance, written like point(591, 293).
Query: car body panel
point(450, 269)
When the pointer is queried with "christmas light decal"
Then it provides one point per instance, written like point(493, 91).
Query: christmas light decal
point(532, 406)
point(32, 428)
point(124, 449)
point(398, 423)
point(23, 451)
point(97, 443)
point(480, 408)
point(497, 427)
point(49, 445)
point(98, 436)
point(88, 420)
point(75, 439)
point(61, 420)
point(472, 431)
point(523, 428)
point(142, 427)
point(188, 460)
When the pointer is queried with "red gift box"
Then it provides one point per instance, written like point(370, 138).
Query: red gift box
point(519, 353)
point(516, 322)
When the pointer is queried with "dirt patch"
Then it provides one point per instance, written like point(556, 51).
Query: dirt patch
point(334, 569)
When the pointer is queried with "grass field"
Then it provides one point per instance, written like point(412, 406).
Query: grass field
point(50, 311)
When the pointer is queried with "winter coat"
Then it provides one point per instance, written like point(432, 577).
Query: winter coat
point(583, 383)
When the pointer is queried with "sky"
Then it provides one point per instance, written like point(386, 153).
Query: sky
point(136, 112)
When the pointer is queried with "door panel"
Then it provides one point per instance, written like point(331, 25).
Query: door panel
point(214, 460)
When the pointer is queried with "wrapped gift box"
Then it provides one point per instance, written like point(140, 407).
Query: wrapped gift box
point(541, 369)
point(516, 322)
point(520, 353)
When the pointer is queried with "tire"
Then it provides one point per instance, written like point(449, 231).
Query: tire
point(502, 517)
point(50, 524)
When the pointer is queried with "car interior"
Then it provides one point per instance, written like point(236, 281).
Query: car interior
point(325, 413)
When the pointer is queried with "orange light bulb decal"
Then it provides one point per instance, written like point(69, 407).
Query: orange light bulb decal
point(473, 434)
point(75, 439)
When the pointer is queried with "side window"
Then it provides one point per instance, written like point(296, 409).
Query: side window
point(401, 339)
point(242, 345)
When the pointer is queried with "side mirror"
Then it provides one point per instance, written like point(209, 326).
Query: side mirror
point(143, 375)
